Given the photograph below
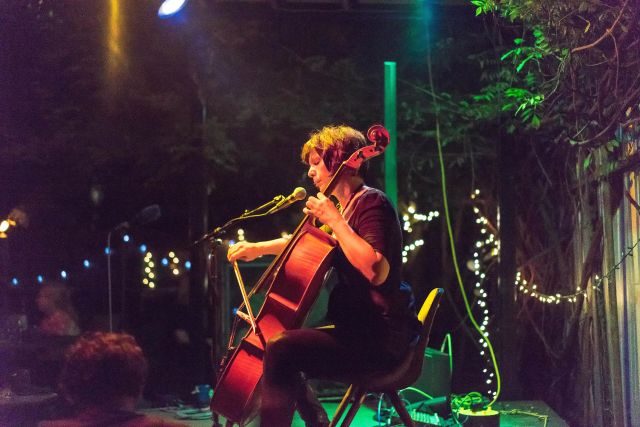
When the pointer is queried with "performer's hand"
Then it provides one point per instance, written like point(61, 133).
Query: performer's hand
point(244, 251)
point(323, 209)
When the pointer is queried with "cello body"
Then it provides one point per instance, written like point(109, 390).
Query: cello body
point(294, 288)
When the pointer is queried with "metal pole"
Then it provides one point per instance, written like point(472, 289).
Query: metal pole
point(390, 122)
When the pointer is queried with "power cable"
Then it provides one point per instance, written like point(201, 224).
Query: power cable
point(450, 229)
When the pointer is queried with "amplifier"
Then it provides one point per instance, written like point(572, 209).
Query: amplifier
point(435, 378)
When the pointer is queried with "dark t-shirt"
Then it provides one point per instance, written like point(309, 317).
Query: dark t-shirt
point(384, 313)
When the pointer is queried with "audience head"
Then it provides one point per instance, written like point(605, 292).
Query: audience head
point(104, 369)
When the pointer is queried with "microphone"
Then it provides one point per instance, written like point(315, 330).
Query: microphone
point(145, 216)
point(298, 194)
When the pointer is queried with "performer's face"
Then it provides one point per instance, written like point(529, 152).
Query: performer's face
point(318, 171)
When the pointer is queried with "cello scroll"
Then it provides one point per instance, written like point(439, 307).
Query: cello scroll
point(379, 136)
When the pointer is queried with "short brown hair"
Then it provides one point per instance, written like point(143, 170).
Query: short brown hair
point(102, 367)
point(334, 144)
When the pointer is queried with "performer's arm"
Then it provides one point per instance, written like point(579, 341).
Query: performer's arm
point(372, 264)
point(248, 251)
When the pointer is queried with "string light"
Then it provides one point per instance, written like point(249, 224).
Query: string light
point(175, 267)
point(149, 271)
point(174, 263)
point(531, 289)
point(487, 250)
point(409, 219)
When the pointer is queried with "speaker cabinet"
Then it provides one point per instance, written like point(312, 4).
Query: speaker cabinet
point(231, 295)
point(435, 379)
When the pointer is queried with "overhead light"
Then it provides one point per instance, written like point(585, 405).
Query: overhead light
point(171, 7)
point(5, 224)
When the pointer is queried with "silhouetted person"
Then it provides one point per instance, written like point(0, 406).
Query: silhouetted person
point(103, 377)
point(59, 316)
point(46, 344)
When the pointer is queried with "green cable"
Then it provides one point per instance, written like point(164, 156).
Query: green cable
point(450, 232)
point(449, 350)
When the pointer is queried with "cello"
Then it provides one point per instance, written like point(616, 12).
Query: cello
point(293, 281)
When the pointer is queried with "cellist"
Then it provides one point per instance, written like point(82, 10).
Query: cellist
point(371, 310)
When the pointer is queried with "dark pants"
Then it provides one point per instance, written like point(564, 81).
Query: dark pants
point(324, 353)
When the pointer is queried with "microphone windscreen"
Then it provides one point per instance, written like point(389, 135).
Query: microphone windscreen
point(147, 215)
point(299, 193)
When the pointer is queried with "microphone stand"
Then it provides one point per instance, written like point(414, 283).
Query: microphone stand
point(109, 287)
point(253, 213)
point(110, 282)
point(272, 206)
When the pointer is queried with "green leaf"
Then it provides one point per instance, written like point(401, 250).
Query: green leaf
point(612, 145)
point(535, 121)
point(506, 55)
point(522, 64)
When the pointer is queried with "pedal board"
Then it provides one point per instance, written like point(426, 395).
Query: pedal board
point(424, 419)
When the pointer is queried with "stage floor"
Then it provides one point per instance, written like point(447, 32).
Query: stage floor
point(512, 414)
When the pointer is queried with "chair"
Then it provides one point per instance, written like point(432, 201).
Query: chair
point(402, 376)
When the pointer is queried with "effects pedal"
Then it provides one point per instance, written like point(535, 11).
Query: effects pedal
point(423, 419)
point(427, 419)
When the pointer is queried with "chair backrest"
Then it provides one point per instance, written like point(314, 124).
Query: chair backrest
point(410, 368)
point(429, 307)
point(426, 315)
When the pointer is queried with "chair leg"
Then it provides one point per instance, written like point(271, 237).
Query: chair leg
point(400, 409)
point(358, 397)
point(353, 396)
point(341, 407)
